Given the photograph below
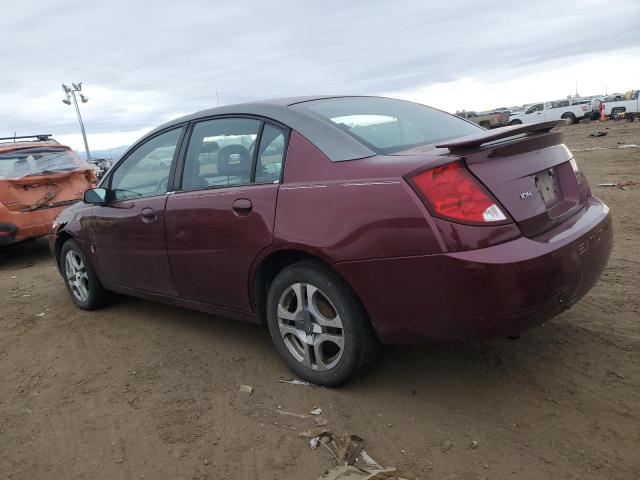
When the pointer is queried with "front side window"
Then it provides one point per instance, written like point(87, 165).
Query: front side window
point(535, 108)
point(145, 172)
point(386, 125)
point(220, 153)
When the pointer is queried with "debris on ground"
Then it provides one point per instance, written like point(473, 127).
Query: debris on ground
point(621, 185)
point(353, 462)
point(474, 443)
point(316, 411)
point(248, 389)
point(446, 445)
point(321, 422)
point(298, 382)
point(598, 133)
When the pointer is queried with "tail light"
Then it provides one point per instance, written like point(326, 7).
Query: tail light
point(451, 192)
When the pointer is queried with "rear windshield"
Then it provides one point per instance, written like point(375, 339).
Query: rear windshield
point(37, 161)
point(386, 125)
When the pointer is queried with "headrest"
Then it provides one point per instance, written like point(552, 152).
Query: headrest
point(234, 160)
point(209, 147)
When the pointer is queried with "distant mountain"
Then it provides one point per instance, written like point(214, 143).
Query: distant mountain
point(111, 153)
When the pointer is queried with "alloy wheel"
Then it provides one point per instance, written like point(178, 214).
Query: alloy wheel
point(77, 276)
point(310, 326)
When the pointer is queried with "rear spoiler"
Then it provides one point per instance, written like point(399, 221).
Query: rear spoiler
point(478, 139)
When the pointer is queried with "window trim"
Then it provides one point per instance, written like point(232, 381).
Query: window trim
point(107, 179)
point(180, 164)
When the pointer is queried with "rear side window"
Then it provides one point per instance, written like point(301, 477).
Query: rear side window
point(220, 153)
point(386, 125)
point(271, 155)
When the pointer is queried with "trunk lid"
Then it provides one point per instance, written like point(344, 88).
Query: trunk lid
point(44, 191)
point(529, 170)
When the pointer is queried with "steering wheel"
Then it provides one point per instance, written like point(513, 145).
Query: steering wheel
point(162, 185)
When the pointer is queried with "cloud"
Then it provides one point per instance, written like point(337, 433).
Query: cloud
point(145, 62)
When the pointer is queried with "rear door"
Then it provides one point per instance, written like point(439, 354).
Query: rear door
point(222, 214)
point(129, 231)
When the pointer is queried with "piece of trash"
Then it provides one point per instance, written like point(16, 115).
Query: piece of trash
point(316, 411)
point(321, 422)
point(351, 472)
point(26, 295)
point(291, 414)
point(314, 432)
point(598, 133)
point(248, 389)
point(446, 445)
point(297, 382)
point(353, 462)
point(474, 444)
point(13, 277)
point(627, 183)
point(40, 315)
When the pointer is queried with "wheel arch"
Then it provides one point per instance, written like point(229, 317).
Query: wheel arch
point(268, 265)
point(61, 237)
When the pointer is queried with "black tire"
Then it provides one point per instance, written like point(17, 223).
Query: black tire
point(615, 113)
point(571, 117)
point(96, 295)
point(515, 122)
point(360, 344)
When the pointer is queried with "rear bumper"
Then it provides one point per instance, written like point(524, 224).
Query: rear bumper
point(496, 291)
point(25, 225)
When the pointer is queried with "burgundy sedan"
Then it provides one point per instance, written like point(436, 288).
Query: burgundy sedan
point(340, 223)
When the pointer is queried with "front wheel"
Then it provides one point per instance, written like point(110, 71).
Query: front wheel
point(571, 117)
point(515, 122)
point(318, 325)
point(82, 282)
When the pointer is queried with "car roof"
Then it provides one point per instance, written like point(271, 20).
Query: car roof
point(333, 142)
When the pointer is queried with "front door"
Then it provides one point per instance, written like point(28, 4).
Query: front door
point(129, 231)
point(224, 213)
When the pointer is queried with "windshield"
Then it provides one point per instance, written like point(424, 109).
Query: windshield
point(386, 125)
point(38, 161)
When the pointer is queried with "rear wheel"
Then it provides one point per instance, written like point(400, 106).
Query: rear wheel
point(617, 113)
point(318, 325)
point(82, 282)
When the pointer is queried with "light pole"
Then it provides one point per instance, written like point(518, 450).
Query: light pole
point(70, 92)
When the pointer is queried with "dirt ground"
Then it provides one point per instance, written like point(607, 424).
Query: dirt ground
point(141, 390)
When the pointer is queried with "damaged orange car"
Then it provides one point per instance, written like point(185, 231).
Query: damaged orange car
point(38, 178)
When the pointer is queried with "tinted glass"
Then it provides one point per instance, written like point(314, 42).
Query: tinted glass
point(220, 153)
point(145, 172)
point(271, 155)
point(386, 125)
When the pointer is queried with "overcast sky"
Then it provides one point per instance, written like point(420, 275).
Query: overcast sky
point(144, 62)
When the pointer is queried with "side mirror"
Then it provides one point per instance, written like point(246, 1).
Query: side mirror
point(95, 196)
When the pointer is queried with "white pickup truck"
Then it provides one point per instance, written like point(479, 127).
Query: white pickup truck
point(629, 104)
point(551, 111)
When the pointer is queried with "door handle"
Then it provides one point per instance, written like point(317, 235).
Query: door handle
point(242, 206)
point(148, 214)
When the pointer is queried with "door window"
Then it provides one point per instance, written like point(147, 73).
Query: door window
point(535, 108)
point(271, 155)
point(145, 172)
point(220, 153)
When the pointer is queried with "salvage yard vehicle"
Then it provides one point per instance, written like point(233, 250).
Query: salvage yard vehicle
point(341, 222)
point(623, 107)
point(38, 179)
point(557, 110)
point(487, 120)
